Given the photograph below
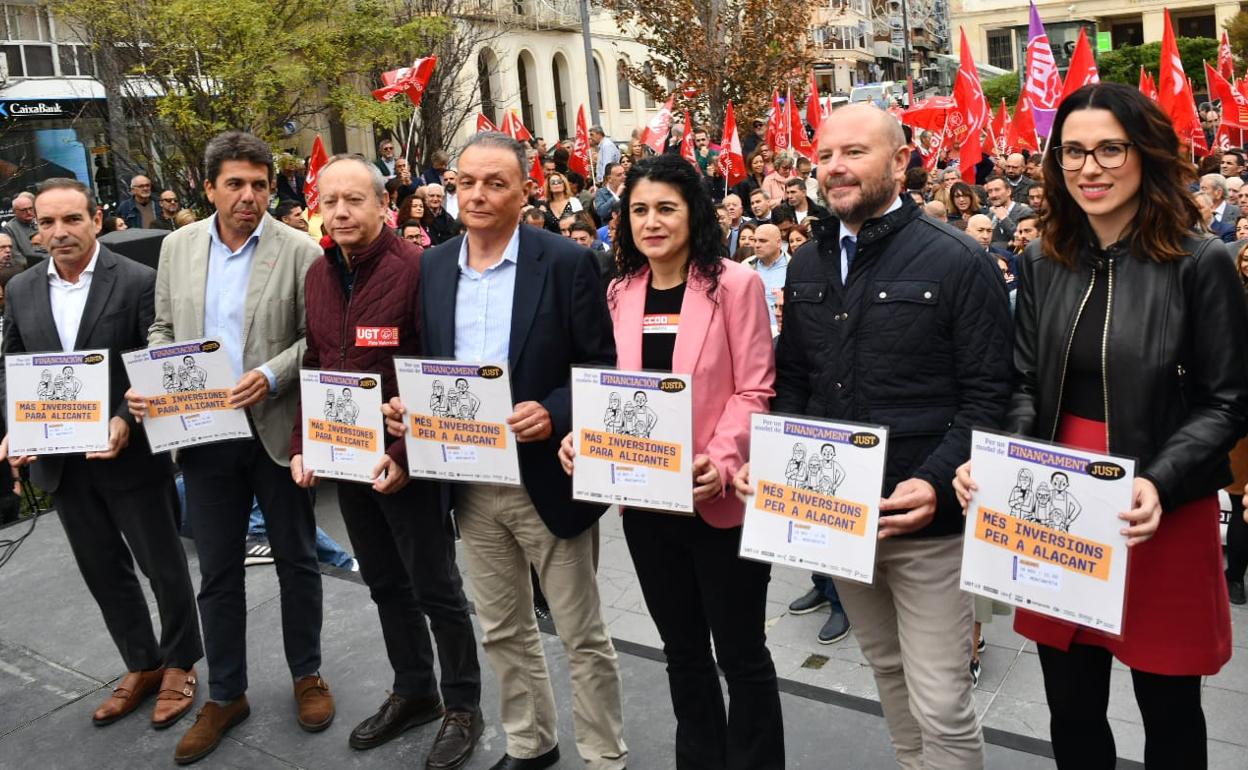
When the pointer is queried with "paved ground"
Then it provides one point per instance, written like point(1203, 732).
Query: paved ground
point(57, 663)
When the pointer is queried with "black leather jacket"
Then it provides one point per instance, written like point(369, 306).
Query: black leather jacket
point(1175, 359)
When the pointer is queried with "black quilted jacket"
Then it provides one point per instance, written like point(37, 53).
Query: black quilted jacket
point(918, 339)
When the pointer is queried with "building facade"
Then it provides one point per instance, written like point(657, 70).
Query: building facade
point(997, 29)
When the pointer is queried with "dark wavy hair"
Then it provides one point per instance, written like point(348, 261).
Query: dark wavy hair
point(706, 247)
point(1167, 210)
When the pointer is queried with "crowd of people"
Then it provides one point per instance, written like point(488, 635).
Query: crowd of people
point(1085, 296)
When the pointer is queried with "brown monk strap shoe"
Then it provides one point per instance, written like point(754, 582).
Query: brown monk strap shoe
point(211, 725)
point(177, 693)
point(315, 702)
point(132, 690)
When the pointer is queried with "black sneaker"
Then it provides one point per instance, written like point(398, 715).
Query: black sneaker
point(836, 629)
point(808, 602)
point(1235, 588)
point(976, 670)
point(983, 644)
point(258, 552)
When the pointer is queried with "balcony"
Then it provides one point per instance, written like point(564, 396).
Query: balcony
point(558, 15)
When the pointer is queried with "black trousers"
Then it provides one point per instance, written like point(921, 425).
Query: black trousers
point(697, 589)
point(221, 480)
point(1236, 541)
point(1076, 684)
point(109, 531)
point(407, 557)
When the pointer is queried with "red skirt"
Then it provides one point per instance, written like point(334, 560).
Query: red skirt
point(1177, 619)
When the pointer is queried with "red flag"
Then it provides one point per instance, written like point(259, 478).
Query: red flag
point(1146, 84)
point(1082, 70)
point(930, 149)
point(519, 132)
point(1021, 134)
point(1152, 87)
point(484, 124)
point(579, 160)
point(970, 116)
point(686, 144)
point(538, 176)
point(797, 134)
point(1174, 93)
point(1222, 143)
point(777, 136)
point(814, 115)
point(999, 129)
point(1234, 106)
point(316, 162)
point(731, 159)
point(1226, 63)
point(406, 80)
point(655, 134)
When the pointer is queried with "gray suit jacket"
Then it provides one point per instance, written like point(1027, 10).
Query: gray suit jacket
point(117, 315)
point(274, 322)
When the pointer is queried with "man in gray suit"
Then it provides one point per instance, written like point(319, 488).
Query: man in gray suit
point(115, 506)
point(238, 277)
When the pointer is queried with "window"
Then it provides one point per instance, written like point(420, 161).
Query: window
point(598, 85)
point(1001, 48)
point(1197, 26)
point(625, 93)
point(28, 34)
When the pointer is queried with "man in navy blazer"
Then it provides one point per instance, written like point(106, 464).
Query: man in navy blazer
point(515, 292)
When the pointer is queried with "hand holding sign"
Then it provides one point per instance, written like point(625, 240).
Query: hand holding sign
point(252, 388)
point(913, 495)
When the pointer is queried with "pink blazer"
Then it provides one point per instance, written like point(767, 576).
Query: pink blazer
point(725, 343)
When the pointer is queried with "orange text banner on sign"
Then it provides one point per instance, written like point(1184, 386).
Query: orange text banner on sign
point(812, 507)
point(445, 430)
point(57, 411)
point(189, 402)
point(341, 434)
point(630, 450)
point(1045, 544)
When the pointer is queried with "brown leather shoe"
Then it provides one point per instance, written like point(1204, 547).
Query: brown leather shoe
point(315, 702)
point(211, 725)
point(131, 691)
point(177, 693)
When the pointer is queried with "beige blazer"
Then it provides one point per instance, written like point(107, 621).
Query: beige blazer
point(273, 316)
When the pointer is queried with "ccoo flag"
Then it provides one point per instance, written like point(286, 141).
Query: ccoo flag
point(1044, 83)
point(311, 183)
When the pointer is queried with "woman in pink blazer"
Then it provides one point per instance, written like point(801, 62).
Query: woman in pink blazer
point(680, 305)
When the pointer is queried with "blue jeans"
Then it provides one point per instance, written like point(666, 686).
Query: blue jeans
point(327, 549)
point(824, 584)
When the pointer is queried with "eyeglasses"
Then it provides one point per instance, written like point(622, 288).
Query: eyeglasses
point(554, 182)
point(168, 200)
point(1107, 154)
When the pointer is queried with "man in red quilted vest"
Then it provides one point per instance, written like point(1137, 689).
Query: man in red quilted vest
point(369, 279)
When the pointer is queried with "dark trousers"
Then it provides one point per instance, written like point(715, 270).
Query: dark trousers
point(1236, 541)
point(697, 589)
point(109, 531)
point(824, 585)
point(1076, 684)
point(221, 480)
point(407, 557)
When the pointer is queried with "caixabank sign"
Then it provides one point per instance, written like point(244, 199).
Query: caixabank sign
point(35, 108)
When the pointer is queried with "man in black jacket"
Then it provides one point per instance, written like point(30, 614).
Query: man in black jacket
point(115, 506)
point(891, 318)
point(507, 291)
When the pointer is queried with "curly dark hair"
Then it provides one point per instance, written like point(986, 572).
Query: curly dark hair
point(1167, 210)
point(706, 247)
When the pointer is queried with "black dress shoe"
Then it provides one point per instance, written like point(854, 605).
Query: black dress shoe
point(807, 602)
point(456, 740)
point(508, 762)
point(395, 716)
point(1235, 590)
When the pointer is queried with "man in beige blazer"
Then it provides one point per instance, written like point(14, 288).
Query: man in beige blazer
point(238, 277)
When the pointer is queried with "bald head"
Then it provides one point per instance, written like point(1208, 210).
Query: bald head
point(1015, 164)
point(767, 243)
point(979, 227)
point(872, 122)
point(141, 188)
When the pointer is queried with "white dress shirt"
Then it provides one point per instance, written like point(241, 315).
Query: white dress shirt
point(853, 235)
point(69, 300)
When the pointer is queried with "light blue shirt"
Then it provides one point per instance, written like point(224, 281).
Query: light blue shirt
point(773, 278)
point(607, 153)
point(225, 296)
point(483, 306)
point(853, 236)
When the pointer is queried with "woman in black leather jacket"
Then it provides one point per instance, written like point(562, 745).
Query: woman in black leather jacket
point(1131, 336)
